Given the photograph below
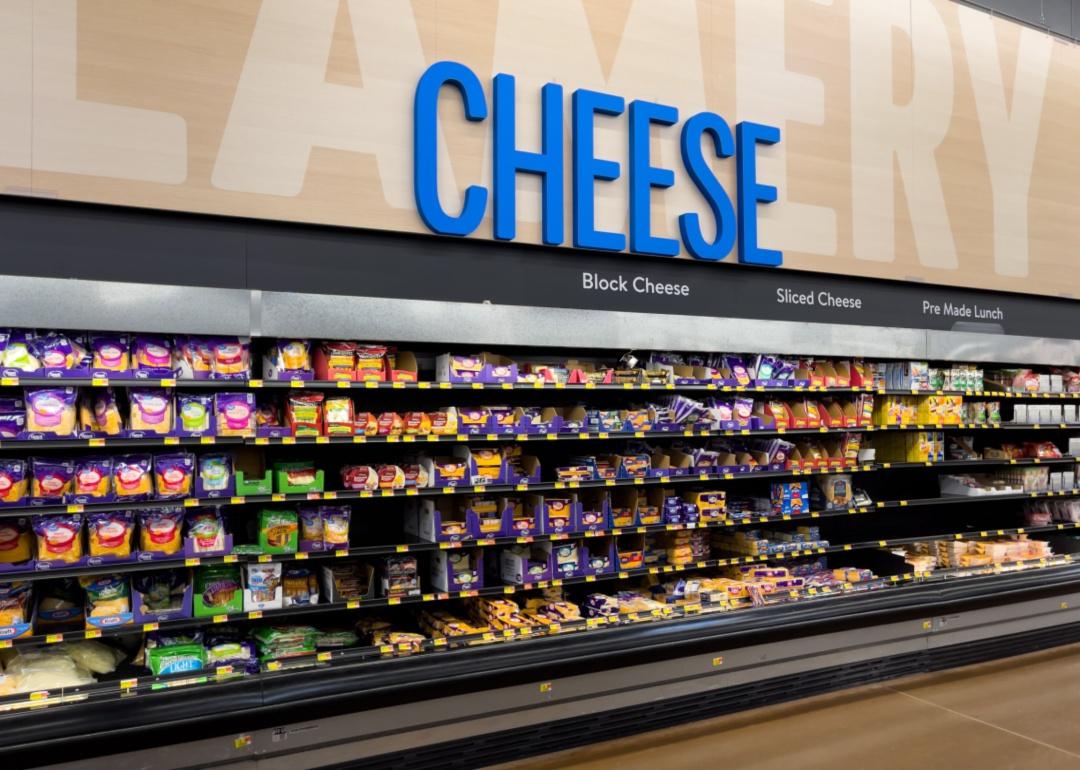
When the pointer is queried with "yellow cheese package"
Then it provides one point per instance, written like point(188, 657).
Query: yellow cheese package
point(99, 413)
point(160, 530)
point(51, 480)
point(132, 479)
point(108, 599)
point(51, 411)
point(151, 411)
point(16, 542)
point(13, 482)
point(93, 481)
point(109, 533)
point(59, 538)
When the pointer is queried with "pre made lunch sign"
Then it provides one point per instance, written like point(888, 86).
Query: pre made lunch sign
point(56, 239)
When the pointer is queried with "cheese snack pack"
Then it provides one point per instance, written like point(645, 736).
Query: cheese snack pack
point(215, 472)
point(132, 478)
point(59, 351)
point(13, 482)
point(51, 411)
point(160, 530)
point(109, 533)
point(151, 411)
point(59, 537)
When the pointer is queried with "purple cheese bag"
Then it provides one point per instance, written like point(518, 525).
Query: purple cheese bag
point(51, 411)
point(152, 356)
point(110, 354)
point(92, 482)
point(12, 417)
point(234, 414)
point(151, 411)
point(51, 479)
point(194, 414)
point(132, 478)
point(12, 482)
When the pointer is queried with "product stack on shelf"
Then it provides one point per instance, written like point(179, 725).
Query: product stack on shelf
point(171, 505)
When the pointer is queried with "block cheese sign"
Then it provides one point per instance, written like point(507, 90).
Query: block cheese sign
point(920, 140)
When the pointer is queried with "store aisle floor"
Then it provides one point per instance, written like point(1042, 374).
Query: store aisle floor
point(1017, 713)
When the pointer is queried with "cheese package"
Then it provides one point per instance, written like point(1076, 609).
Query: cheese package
point(304, 413)
point(51, 411)
point(278, 531)
point(59, 537)
point(194, 412)
point(230, 358)
point(16, 542)
point(159, 530)
point(338, 416)
point(235, 414)
point(107, 596)
point(109, 533)
point(359, 478)
point(99, 412)
point(132, 479)
point(93, 480)
point(151, 411)
point(13, 482)
point(50, 480)
point(206, 530)
point(152, 354)
point(215, 472)
point(110, 353)
point(325, 527)
point(174, 474)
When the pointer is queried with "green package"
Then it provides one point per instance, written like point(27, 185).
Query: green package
point(176, 658)
point(278, 531)
point(217, 590)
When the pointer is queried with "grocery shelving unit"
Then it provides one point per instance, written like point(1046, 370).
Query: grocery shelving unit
point(502, 694)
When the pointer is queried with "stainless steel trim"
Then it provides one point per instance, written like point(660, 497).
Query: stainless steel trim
point(69, 303)
point(79, 304)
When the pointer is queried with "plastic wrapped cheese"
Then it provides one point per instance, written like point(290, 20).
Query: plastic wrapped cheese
point(95, 657)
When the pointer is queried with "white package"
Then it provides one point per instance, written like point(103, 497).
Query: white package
point(1020, 413)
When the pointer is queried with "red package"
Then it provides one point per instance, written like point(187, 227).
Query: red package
point(366, 424)
point(304, 413)
point(390, 424)
point(335, 361)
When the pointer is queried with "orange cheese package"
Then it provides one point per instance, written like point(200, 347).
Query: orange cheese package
point(231, 358)
point(160, 530)
point(50, 480)
point(59, 538)
point(13, 482)
point(93, 480)
point(151, 411)
point(99, 413)
point(110, 533)
point(16, 541)
point(132, 478)
point(174, 474)
point(51, 411)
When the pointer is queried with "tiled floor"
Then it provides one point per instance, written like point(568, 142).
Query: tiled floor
point(1019, 713)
